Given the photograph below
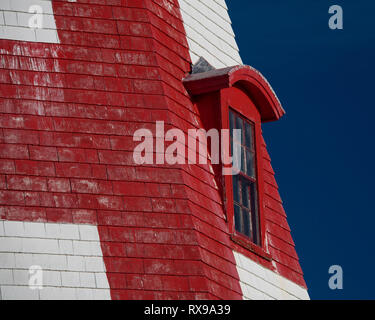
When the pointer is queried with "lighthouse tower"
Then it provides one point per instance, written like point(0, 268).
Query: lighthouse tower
point(80, 218)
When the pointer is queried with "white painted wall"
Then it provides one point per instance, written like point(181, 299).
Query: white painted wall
point(259, 283)
point(69, 254)
point(209, 32)
point(14, 21)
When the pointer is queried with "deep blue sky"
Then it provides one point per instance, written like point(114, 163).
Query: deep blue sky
point(322, 150)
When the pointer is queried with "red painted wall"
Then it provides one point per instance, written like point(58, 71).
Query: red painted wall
point(68, 114)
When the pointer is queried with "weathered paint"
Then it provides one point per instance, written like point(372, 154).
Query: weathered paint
point(68, 112)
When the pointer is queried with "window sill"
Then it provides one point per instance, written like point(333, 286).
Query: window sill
point(247, 244)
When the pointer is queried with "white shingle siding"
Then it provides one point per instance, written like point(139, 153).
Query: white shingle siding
point(14, 21)
point(259, 283)
point(70, 256)
point(209, 32)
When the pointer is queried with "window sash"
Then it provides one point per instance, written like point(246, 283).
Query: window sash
point(245, 193)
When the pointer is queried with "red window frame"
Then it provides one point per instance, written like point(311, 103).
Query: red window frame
point(235, 99)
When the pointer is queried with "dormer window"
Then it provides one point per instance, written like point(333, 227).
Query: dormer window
point(245, 190)
point(239, 98)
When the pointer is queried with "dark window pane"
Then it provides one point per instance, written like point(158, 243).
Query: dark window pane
point(237, 218)
point(239, 126)
point(243, 160)
point(250, 165)
point(239, 123)
point(231, 121)
point(245, 193)
point(231, 145)
point(253, 196)
point(246, 222)
point(249, 142)
point(236, 189)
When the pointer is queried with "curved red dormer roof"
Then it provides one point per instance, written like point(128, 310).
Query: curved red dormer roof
point(248, 79)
